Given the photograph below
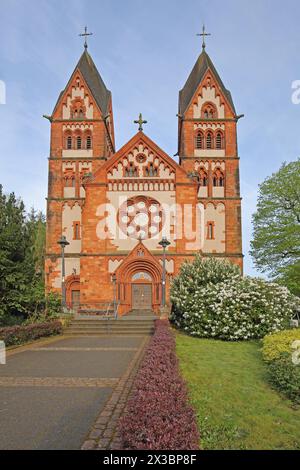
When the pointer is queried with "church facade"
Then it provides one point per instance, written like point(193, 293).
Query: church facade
point(114, 206)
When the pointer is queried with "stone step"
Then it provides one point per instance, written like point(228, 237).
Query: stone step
point(139, 323)
point(114, 333)
point(89, 330)
point(120, 318)
point(109, 328)
point(113, 322)
point(121, 323)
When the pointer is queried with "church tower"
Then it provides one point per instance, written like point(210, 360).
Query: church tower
point(82, 139)
point(207, 149)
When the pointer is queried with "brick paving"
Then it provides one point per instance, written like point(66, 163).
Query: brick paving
point(57, 382)
point(82, 349)
point(104, 434)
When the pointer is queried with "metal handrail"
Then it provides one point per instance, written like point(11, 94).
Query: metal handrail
point(105, 309)
point(117, 308)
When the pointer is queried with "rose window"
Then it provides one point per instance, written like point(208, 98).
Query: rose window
point(141, 217)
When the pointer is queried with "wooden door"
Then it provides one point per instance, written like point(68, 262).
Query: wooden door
point(75, 299)
point(142, 296)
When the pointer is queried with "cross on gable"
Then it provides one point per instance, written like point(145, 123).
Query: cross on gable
point(140, 122)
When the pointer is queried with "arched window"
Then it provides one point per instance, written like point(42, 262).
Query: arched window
point(70, 181)
point(89, 142)
point(210, 231)
point(76, 230)
point(219, 140)
point(203, 177)
point(141, 276)
point(81, 113)
point(209, 111)
point(151, 171)
point(131, 171)
point(199, 140)
point(78, 140)
point(218, 178)
point(69, 142)
point(209, 140)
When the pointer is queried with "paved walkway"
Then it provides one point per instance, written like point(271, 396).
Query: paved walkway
point(67, 393)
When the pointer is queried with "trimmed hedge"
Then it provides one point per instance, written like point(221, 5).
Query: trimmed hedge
point(22, 334)
point(280, 351)
point(285, 377)
point(158, 415)
point(277, 343)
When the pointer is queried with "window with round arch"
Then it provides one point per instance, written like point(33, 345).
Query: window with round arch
point(141, 276)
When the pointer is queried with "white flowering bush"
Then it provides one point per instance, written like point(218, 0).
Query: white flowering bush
point(211, 299)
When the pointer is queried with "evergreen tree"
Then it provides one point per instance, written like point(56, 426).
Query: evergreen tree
point(22, 254)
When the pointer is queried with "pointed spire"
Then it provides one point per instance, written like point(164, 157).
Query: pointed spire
point(94, 81)
point(201, 66)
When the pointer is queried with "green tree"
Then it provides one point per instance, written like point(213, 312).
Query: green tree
point(275, 247)
point(36, 241)
point(22, 253)
point(12, 252)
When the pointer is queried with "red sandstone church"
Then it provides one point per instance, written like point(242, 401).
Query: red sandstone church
point(114, 206)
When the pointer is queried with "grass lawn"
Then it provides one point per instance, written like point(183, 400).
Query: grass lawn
point(235, 406)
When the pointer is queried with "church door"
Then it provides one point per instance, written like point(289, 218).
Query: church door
point(75, 299)
point(142, 296)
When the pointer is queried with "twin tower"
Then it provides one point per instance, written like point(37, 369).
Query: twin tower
point(114, 206)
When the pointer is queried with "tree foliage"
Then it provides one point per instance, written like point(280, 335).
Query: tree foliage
point(22, 248)
point(276, 238)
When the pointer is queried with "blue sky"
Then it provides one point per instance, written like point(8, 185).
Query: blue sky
point(144, 52)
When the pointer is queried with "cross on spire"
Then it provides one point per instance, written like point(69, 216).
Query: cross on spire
point(140, 122)
point(85, 34)
point(203, 34)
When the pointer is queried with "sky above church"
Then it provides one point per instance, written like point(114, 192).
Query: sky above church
point(145, 51)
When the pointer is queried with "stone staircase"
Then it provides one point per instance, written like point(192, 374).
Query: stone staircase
point(136, 322)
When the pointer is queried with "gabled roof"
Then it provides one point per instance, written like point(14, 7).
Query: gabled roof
point(135, 140)
point(201, 66)
point(93, 80)
point(142, 261)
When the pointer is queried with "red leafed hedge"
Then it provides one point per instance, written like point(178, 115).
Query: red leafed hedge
point(158, 415)
point(21, 334)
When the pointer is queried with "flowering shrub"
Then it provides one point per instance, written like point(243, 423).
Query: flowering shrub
point(276, 344)
point(21, 334)
point(211, 299)
point(158, 415)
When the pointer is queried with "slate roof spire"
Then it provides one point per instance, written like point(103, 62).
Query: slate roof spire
point(201, 66)
point(94, 81)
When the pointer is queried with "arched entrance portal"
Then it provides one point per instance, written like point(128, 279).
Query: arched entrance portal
point(139, 281)
point(73, 291)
